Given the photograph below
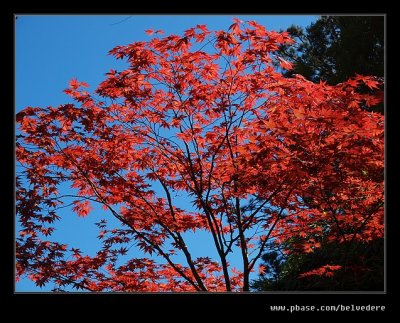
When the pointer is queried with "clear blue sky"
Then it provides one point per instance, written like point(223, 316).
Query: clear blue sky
point(51, 50)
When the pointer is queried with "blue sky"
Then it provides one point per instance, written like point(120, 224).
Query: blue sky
point(51, 50)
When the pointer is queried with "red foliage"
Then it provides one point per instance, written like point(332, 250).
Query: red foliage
point(204, 118)
point(327, 270)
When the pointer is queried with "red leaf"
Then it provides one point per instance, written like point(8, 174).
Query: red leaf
point(82, 208)
point(285, 64)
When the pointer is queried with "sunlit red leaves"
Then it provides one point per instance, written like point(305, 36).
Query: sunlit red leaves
point(75, 84)
point(370, 81)
point(150, 32)
point(371, 100)
point(82, 209)
point(327, 271)
point(211, 126)
point(285, 64)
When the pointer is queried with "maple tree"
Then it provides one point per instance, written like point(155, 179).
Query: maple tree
point(206, 118)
